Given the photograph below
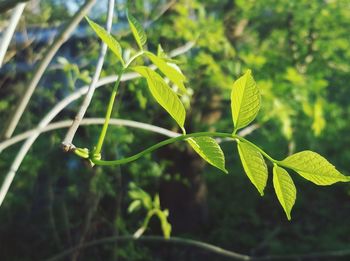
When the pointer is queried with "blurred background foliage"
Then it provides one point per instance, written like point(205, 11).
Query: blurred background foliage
point(299, 53)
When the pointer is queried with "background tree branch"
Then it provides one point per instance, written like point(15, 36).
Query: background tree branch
point(41, 68)
point(67, 142)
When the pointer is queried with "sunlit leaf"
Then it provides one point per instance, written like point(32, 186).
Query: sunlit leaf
point(163, 94)
point(314, 167)
point(209, 150)
point(137, 31)
point(285, 189)
point(254, 165)
point(174, 74)
point(108, 39)
point(245, 101)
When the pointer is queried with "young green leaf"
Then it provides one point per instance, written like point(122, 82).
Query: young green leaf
point(137, 31)
point(108, 39)
point(285, 189)
point(209, 150)
point(169, 71)
point(135, 205)
point(245, 101)
point(254, 165)
point(314, 167)
point(166, 226)
point(136, 193)
point(163, 94)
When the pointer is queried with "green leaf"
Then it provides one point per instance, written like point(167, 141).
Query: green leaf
point(166, 226)
point(314, 167)
point(156, 201)
point(137, 30)
point(163, 94)
point(108, 39)
point(209, 150)
point(135, 205)
point(137, 193)
point(254, 165)
point(169, 71)
point(285, 189)
point(245, 101)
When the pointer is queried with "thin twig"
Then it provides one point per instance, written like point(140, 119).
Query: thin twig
point(162, 11)
point(172, 240)
point(87, 121)
point(40, 70)
point(330, 255)
point(67, 142)
point(7, 36)
point(57, 109)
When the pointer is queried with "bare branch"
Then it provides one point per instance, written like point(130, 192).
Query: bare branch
point(173, 240)
point(67, 142)
point(47, 57)
point(7, 36)
point(56, 110)
point(87, 121)
point(330, 255)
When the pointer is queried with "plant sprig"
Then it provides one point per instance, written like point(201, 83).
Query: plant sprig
point(245, 105)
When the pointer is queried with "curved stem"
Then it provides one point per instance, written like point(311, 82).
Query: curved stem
point(108, 114)
point(179, 138)
point(133, 58)
point(259, 149)
point(159, 145)
point(173, 240)
point(101, 139)
point(57, 109)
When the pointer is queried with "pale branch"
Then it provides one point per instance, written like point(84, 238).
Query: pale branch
point(41, 68)
point(163, 10)
point(8, 33)
point(116, 122)
point(329, 255)
point(172, 240)
point(57, 109)
point(67, 142)
point(6, 5)
point(87, 121)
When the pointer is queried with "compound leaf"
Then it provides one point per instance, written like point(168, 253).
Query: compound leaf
point(163, 94)
point(285, 189)
point(254, 165)
point(108, 39)
point(209, 150)
point(314, 168)
point(245, 101)
point(137, 30)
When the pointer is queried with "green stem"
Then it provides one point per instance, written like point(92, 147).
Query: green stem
point(257, 148)
point(101, 139)
point(108, 114)
point(175, 139)
point(133, 58)
point(159, 145)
